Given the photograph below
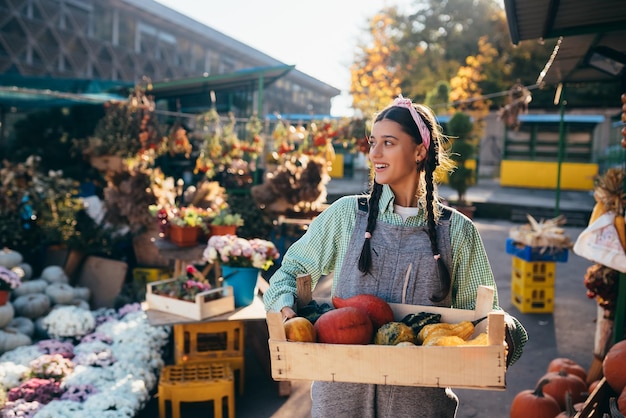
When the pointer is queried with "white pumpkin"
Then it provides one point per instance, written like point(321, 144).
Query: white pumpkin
point(82, 293)
point(24, 270)
point(40, 331)
point(23, 325)
point(54, 274)
point(9, 258)
point(7, 313)
point(10, 339)
point(60, 294)
point(32, 306)
point(30, 287)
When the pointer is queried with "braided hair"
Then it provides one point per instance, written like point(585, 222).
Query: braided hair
point(435, 158)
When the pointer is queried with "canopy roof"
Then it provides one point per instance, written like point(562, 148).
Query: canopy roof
point(193, 95)
point(41, 92)
point(585, 28)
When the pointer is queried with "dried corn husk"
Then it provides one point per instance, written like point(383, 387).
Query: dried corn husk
point(543, 234)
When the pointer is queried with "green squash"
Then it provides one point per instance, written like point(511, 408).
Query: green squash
point(393, 333)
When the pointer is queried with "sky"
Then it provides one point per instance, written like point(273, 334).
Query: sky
point(318, 37)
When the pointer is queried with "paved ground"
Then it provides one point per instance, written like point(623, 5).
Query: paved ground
point(566, 332)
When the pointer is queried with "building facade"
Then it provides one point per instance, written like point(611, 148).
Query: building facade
point(131, 40)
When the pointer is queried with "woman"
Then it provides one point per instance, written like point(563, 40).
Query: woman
point(398, 243)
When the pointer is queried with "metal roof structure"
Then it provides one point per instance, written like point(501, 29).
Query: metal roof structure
point(194, 94)
point(588, 31)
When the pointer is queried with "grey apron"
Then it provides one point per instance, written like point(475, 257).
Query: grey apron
point(394, 249)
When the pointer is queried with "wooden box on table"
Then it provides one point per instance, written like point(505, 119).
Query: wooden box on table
point(205, 305)
point(472, 367)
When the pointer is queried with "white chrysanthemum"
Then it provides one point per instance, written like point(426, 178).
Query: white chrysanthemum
point(69, 321)
point(12, 374)
point(109, 404)
point(21, 355)
point(63, 409)
point(90, 347)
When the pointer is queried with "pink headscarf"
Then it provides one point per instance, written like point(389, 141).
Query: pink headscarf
point(421, 126)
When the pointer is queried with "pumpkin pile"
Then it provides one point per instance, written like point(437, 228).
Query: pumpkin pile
point(367, 319)
point(21, 319)
point(562, 390)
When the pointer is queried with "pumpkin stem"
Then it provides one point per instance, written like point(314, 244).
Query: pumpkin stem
point(478, 321)
point(539, 388)
point(569, 405)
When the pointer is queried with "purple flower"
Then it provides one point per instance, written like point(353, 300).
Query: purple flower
point(128, 308)
point(20, 408)
point(78, 393)
point(9, 280)
point(65, 349)
point(97, 337)
point(36, 389)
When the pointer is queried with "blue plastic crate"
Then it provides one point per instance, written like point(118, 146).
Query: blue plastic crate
point(528, 253)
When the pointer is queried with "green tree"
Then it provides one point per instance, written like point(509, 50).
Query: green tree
point(460, 127)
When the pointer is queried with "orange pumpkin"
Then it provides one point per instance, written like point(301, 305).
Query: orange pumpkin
point(593, 385)
point(614, 365)
point(562, 382)
point(570, 366)
point(621, 402)
point(534, 403)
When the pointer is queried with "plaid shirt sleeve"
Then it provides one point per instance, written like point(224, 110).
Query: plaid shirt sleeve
point(318, 252)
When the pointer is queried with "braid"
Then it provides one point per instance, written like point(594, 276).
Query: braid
point(365, 260)
point(444, 274)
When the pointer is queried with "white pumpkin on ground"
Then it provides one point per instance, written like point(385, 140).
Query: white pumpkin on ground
point(54, 274)
point(82, 293)
point(23, 325)
point(32, 306)
point(7, 313)
point(60, 293)
point(10, 258)
point(30, 287)
point(11, 338)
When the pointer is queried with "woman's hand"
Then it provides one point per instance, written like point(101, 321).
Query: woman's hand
point(287, 313)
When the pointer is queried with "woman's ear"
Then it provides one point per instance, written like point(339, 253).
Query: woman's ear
point(420, 153)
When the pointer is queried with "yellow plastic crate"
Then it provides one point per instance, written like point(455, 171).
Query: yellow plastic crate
point(532, 273)
point(144, 275)
point(532, 299)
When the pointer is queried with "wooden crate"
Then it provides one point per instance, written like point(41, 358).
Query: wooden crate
point(472, 367)
point(204, 306)
point(597, 404)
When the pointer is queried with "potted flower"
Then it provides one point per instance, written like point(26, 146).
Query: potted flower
point(226, 223)
point(241, 261)
point(186, 224)
point(9, 280)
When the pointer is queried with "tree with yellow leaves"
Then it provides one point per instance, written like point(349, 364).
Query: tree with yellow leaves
point(374, 80)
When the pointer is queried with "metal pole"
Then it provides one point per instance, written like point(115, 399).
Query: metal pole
point(560, 93)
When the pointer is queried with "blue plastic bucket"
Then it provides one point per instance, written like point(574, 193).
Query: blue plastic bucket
point(243, 280)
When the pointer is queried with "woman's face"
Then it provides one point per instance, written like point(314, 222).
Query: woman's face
point(393, 154)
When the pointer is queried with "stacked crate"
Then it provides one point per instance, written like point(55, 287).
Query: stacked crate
point(533, 274)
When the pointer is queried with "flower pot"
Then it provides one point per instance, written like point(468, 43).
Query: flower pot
point(184, 236)
point(243, 280)
point(223, 229)
point(4, 297)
